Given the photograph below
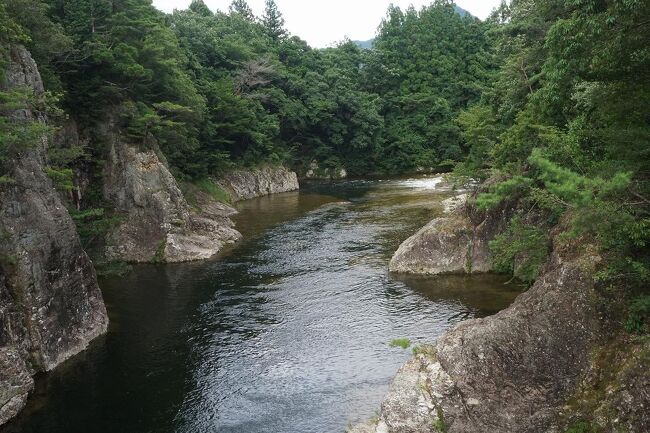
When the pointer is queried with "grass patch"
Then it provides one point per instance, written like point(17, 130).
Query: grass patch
point(404, 343)
point(424, 349)
point(440, 425)
point(638, 320)
point(214, 190)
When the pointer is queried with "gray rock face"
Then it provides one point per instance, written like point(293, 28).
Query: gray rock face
point(455, 203)
point(158, 223)
point(22, 72)
point(15, 384)
point(444, 246)
point(512, 372)
point(247, 184)
point(50, 304)
point(455, 244)
point(315, 172)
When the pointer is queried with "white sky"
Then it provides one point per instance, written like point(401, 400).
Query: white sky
point(324, 22)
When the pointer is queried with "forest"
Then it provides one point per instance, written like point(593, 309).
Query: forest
point(548, 99)
point(215, 90)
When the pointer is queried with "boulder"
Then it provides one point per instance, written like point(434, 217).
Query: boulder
point(457, 243)
point(444, 246)
point(315, 172)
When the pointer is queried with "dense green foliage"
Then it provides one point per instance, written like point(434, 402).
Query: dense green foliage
point(638, 319)
point(583, 427)
point(427, 65)
point(520, 250)
point(549, 96)
point(214, 90)
point(566, 125)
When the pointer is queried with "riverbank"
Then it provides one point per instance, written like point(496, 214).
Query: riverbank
point(537, 366)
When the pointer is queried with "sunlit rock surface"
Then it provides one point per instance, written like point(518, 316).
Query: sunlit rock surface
point(247, 184)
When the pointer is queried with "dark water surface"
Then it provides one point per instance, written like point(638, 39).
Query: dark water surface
point(287, 333)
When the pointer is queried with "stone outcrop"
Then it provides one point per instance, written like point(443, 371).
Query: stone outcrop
point(315, 172)
point(247, 184)
point(454, 203)
point(453, 244)
point(457, 243)
point(50, 304)
point(15, 383)
point(444, 246)
point(549, 361)
point(521, 369)
point(157, 223)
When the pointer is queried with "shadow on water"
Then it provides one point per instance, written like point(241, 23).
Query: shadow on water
point(482, 295)
point(287, 333)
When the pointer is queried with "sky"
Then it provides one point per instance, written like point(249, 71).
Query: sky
point(324, 22)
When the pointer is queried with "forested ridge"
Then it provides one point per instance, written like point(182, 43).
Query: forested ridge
point(564, 127)
point(228, 88)
point(549, 97)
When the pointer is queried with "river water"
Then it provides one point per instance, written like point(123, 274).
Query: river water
point(287, 333)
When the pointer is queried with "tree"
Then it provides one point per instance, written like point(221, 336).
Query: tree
point(565, 123)
point(199, 7)
point(427, 65)
point(242, 8)
point(273, 21)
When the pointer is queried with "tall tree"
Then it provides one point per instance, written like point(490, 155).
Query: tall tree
point(273, 21)
point(427, 65)
point(242, 8)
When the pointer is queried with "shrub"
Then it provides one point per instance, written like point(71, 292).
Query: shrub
point(583, 427)
point(638, 319)
point(520, 250)
point(92, 224)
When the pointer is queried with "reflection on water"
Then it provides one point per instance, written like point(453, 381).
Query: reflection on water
point(287, 333)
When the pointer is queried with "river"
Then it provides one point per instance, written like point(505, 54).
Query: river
point(288, 332)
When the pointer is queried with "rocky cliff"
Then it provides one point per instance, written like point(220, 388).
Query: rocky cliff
point(50, 304)
point(157, 222)
point(551, 361)
point(247, 184)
